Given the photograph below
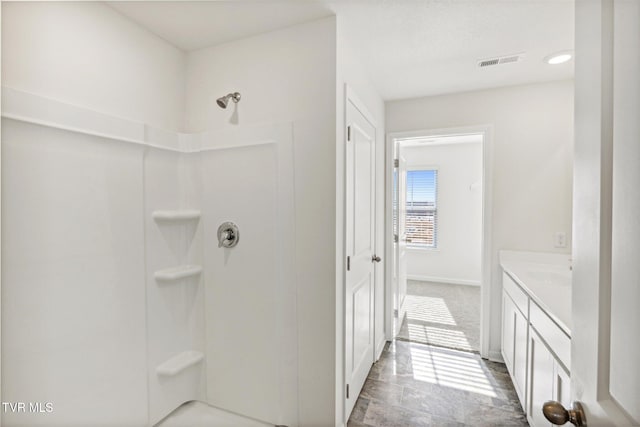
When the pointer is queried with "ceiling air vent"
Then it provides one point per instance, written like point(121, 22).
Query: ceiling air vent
point(483, 63)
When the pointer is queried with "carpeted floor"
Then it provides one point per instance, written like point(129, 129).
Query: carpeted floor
point(443, 315)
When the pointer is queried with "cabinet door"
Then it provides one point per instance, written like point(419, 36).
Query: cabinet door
point(562, 385)
point(521, 329)
point(508, 329)
point(541, 379)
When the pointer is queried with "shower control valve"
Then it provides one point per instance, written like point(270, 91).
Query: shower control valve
point(228, 235)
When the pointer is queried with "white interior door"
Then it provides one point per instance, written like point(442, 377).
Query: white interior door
point(401, 252)
point(399, 239)
point(360, 251)
point(605, 375)
point(624, 381)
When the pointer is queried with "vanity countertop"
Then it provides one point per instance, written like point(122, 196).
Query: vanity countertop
point(546, 278)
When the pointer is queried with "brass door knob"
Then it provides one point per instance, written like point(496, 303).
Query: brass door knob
point(558, 415)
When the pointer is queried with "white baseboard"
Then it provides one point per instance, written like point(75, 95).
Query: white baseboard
point(495, 356)
point(379, 348)
point(443, 280)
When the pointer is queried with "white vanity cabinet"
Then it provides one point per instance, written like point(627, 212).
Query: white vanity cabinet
point(548, 380)
point(536, 342)
point(515, 329)
point(550, 359)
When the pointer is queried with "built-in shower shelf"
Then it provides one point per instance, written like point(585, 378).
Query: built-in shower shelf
point(177, 273)
point(184, 215)
point(179, 363)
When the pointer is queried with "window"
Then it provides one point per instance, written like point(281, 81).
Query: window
point(421, 223)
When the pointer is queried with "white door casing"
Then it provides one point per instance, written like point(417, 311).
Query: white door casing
point(392, 289)
point(401, 252)
point(360, 249)
point(392, 292)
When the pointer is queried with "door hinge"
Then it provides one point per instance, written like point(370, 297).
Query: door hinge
point(396, 163)
point(348, 133)
point(395, 313)
point(347, 391)
point(395, 238)
point(348, 263)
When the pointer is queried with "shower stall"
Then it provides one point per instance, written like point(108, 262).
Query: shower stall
point(144, 268)
point(169, 216)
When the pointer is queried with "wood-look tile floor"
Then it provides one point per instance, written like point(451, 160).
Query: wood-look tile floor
point(415, 384)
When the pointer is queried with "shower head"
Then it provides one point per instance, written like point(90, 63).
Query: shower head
point(224, 101)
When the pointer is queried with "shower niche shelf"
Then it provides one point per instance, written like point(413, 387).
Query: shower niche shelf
point(178, 215)
point(179, 363)
point(177, 273)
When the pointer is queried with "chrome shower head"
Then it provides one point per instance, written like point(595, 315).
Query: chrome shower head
point(224, 101)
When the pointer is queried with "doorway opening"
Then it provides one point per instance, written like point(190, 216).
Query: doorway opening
point(438, 227)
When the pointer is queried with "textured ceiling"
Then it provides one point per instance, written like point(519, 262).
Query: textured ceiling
point(192, 25)
point(411, 48)
point(416, 48)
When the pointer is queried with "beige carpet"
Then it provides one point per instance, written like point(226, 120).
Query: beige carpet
point(443, 315)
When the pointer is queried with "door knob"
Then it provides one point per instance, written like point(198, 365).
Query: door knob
point(558, 415)
point(375, 258)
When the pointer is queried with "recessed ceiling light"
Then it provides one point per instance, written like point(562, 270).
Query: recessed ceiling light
point(558, 57)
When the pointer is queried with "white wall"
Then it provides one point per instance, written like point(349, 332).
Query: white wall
point(289, 76)
point(457, 258)
point(87, 54)
point(532, 139)
point(350, 72)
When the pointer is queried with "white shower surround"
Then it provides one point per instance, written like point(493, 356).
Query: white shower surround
point(293, 75)
point(160, 344)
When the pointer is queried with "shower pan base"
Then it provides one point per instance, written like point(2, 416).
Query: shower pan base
point(198, 414)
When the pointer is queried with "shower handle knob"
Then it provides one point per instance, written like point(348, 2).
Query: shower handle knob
point(228, 235)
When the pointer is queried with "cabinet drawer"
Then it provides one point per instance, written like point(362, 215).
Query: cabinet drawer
point(551, 333)
point(518, 296)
